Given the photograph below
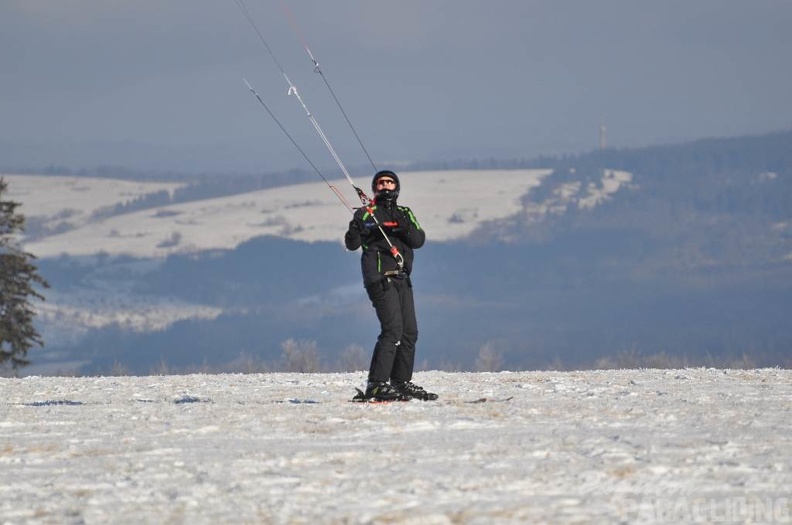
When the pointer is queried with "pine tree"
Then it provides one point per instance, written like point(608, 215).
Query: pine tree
point(18, 275)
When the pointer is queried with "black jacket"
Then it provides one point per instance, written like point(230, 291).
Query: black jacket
point(402, 229)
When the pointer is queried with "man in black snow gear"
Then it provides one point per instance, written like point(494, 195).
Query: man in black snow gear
point(389, 287)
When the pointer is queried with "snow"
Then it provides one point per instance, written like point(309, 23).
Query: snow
point(552, 447)
point(75, 199)
point(610, 183)
point(449, 204)
point(66, 317)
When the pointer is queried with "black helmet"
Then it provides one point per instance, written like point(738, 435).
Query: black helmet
point(386, 194)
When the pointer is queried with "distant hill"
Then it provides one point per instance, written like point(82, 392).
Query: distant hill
point(672, 255)
point(715, 208)
point(84, 216)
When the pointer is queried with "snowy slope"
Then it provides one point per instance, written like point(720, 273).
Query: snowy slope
point(673, 446)
point(449, 204)
point(73, 199)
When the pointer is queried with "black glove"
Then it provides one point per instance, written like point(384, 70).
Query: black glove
point(352, 238)
point(355, 227)
point(405, 225)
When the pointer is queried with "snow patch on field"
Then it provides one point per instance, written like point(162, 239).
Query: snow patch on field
point(449, 204)
point(73, 200)
point(65, 317)
point(610, 183)
point(544, 447)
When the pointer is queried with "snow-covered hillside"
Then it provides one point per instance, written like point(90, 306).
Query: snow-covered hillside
point(671, 446)
point(449, 204)
point(73, 200)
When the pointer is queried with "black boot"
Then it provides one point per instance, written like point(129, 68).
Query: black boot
point(381, 391)
point(411, 390)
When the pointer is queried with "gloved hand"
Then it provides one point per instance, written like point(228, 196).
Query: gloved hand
point(352, 238)
point(403, 225)
point(355, 227)
point(409, 231)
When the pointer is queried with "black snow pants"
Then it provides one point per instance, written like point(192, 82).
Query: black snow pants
point(394, 353)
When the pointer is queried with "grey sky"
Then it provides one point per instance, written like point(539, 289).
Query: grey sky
point(158, 83)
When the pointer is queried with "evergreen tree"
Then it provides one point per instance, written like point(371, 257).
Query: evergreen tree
point(18, 275)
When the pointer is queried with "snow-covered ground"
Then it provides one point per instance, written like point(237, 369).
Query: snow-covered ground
point(693, 445)
point(449, 204)
point(74, 199)
point(67, 316)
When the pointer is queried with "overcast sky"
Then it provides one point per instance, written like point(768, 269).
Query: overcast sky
point(157, 84)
